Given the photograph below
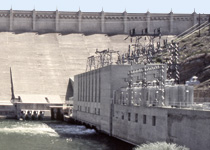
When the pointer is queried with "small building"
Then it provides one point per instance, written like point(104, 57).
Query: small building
point(36, 104)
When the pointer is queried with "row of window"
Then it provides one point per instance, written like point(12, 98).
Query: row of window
point(89, 87)
point(136, 118)
point(88, 110)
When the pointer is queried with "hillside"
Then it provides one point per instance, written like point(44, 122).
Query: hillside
point(195, 57)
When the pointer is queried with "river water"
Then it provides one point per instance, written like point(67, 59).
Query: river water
point(53, 135)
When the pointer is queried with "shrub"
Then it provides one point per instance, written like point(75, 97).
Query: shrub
point(160, 146)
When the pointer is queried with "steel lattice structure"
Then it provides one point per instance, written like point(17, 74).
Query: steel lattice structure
point(101, 59)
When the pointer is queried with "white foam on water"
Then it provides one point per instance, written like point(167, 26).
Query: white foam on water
point(68, 140)
point(73, 129)
point(40, 128)
point(30, 129)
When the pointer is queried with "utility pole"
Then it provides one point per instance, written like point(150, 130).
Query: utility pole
point(12, 87)
point(199, 25)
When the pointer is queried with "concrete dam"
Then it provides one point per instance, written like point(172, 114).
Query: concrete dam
point(41, 53)
point(44, 63)
point(44, 49)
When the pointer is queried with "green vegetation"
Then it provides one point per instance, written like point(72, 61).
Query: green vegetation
point(160, 146)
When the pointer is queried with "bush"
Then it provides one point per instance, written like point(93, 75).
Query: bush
point(196, 43)
point(161, 146)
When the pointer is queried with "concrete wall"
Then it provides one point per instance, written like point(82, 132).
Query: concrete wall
point(135, 130)
point(99, 22)
point(189, 128)
point(32, 106)
point(7, 111)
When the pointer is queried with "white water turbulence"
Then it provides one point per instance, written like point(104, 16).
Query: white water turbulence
point(54, 135)
point(73, 130)
point(161, 146)
point(43, 129)
point(28, 128)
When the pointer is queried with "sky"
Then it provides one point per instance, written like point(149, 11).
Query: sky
point(131, 6)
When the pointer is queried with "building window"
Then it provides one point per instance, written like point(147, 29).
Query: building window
point(122, 116)
point(144, 119)
point(98, 111)
point(136, 117)
point(95, 110)
point(78, 107)
point(153, 120)
point(99, 89)
point(89, 109)
point(129, 116)
point(96, 86)
point(85, 109)
point(92, 87)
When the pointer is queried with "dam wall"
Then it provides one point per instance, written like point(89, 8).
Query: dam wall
point(190, 128)
point(43, 63)
point(96, 22)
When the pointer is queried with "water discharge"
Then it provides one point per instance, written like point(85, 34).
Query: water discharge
point(25, 128)
point(34, 135)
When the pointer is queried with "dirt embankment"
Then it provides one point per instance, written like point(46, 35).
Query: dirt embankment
point(195, 57)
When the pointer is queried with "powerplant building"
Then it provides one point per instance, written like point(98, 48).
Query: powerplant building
point(136, 103)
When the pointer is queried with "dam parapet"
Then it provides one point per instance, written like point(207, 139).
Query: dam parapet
point(96, 22)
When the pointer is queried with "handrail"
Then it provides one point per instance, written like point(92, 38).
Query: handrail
point(186, 31)
point(205, 24)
